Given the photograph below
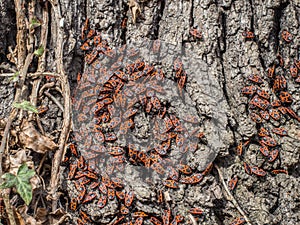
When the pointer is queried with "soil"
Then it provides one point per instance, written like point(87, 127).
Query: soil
point(218, 66)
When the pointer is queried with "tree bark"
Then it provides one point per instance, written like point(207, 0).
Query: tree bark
point(218, 66)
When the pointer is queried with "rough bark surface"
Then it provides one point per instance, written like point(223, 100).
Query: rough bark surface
point(218, 66)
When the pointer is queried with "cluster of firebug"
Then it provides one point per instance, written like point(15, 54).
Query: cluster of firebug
point(265, 107)
point(111, 99)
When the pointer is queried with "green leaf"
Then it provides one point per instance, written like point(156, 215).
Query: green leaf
point(10, 180)
point(15, 77)
point(35, 23)
point(39, 52)
point(25, 191)
point(25, 173)
point(21, 182)
point(25, 105)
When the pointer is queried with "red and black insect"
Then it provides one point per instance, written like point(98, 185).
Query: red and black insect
point(73, 168)
point(258, 171)
point(271, 71)
point(185, 169)
point(263, 132)
point(265, 115)
point(264, 150)
point(129, 196)
point(280, 131)
point(139, 214)
point(238, 221)
point(155, 221)
point(255, 118)
point(196, 33)
point(263, 93)
point(73, 204)
point(196, 211)
point(249, 90)
point(102, 201)
point(276, 103)
point(171, 184)
point(241, 147)
point(285, 97)
point(258, 102)
point(73, 149)
point(248, 34)
point(232, 183)
point(273, 155)
point(89, 197)
point(208, 169)
point(247, 168)
point(266, 140)
point(286, 36)
point(255, 78)
point(278, 171)
point(82, 192)
point(294, 71)
point(274, 113)
point(124, 210)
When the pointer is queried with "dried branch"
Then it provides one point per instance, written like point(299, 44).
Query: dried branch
point(67, 105)
point(21, 35)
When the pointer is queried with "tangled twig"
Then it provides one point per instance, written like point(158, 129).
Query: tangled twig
point(67, 106)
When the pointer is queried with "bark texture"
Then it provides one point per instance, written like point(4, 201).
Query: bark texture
point(218, 66)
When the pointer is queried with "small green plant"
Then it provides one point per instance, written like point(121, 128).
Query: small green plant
point(34, 23)
point(15, 77)
point(39, 52)
point(25, 105)
point(21, 182)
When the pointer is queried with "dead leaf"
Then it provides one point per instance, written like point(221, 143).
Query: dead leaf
point(30, 138)
point(16, 160)
point(135, 9)
point(59, 212)
point(41, 215)
point(25, 219)
point(57, 215)
point(19, 218)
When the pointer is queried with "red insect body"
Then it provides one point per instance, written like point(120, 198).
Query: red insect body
point(208, 169)
point(171, 184)
point(280, 131)
point(196, 211)
point(248, 34)
point(102, 201)
point(196, 33)
point(247, 168)
point(257, 171)
point(263, 132)
point(129, 196)
point(255, 78)
point(278, 171)
point(286, 36)
point(232, 183)
point(89, 197)
point(255, 117)
point(249, 90)
point(264, 150)
point(238, 221)
point(268, 141)
point(273, 155)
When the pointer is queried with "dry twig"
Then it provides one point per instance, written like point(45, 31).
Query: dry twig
point(231, 198)
point(67, 105)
